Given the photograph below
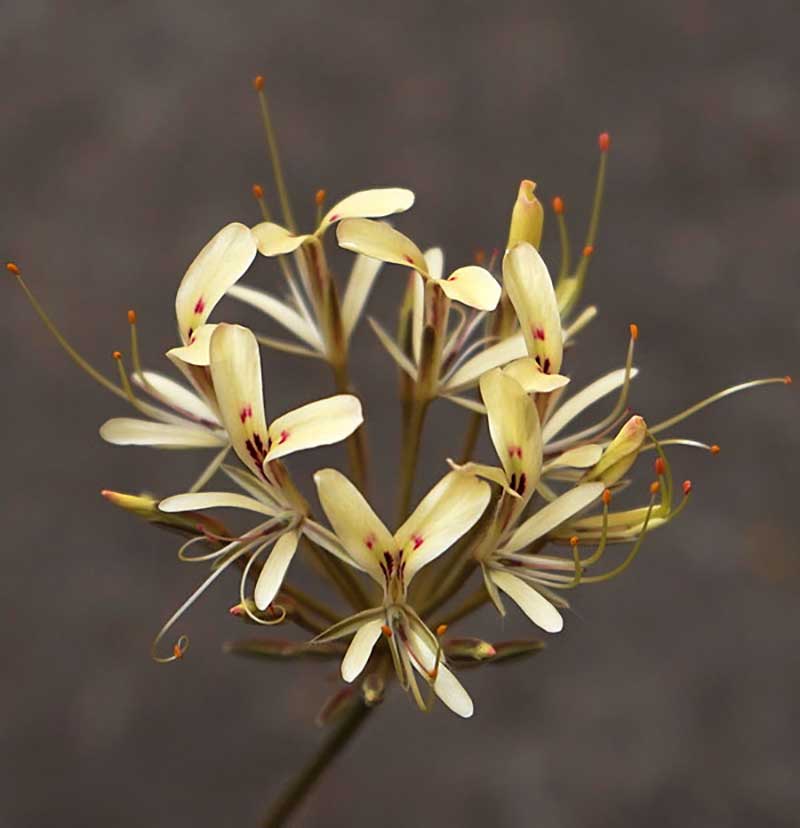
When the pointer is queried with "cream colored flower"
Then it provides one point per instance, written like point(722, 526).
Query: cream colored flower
point(446, 513)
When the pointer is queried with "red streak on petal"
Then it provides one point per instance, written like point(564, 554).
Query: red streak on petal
point(200, 305)
point(284, 437)
point(538, 333)
point(418, 541)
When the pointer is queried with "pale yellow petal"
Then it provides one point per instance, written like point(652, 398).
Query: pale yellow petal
point(359, 285)
point(380, 241)
point(318, 423)
point(129, 431)
point(449, 510)
point(376, 203)
point(531, 292)
point(492, 357)
point(360, 530)
point(434, 259)
point(531, 602)
point(236, 374)
point(197, 501)
point(197, 351)
point(553, 515)
point(360, 649)
point(529, 375)
point(274, 570)
point(446, 686)
point(581, 457)
point(472, 286)
point(175, 395)
point(514, 429)
point(274, 240)
point(221, 263)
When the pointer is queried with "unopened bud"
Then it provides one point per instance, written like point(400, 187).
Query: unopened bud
point(372, 689)
point(511, 650)
point(621, 452)
point(527, 217)
point(468, 649)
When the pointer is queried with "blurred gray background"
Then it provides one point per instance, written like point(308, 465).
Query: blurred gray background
point(130, 134)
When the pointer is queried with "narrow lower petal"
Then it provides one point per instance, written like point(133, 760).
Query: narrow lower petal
point(472, 286)
point(575, 405)
point(280, 311)
point(446, 686)
point(220, 264)
point(582, 457)
point(318, 423)
point(376, 203)
point(492, 357)
point(531, 292)
point(554, 514)
point(531, 602)
point(359, 285)
point(272, 573)
point(236, 374)
point(175, 395)
point(449, 510)
point(360, 649)
point(128, 431)
point(198, 501)
point(196, 352)
point(360, 530)
point(434, 259)
point(380, 241)
point(529, 375)
point(274, 240)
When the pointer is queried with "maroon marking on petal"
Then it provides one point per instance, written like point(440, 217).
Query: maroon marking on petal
point(259, 443)
point(515, 451)
point(200, 305)
point(408, 259)
point(334, 217)
point(538, 333)
point(247, 411)
point(284, 437)
point(546, 366)
point(418, 541)
point(389, 562)
point(370, 540)
point(522, 485)
point(189, 335)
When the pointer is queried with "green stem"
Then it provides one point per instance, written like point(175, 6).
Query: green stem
point(412, 437)
point(297, 790)
point(471, 437)
point(357, 454)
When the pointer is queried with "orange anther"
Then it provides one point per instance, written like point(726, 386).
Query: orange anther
point(117, 355)
point(319, 197)
point(558, 205)
point(12, 268)
point(441, 630)
point(787, 380)
point(258, 83)
point(607, 496)
point(659, 466)
point(131, 317)
point(573, 541)
point(588, 251)
point(177, 652)
point(236, 610)
point(715, 449)
point(634, 329)
point(258, 191)
point(604, 141)
point(655, 487)
point(687, 486)
point(386, 630)
point(479, 256)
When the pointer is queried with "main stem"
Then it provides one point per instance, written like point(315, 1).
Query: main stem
point(412, 437)
point(294, 794)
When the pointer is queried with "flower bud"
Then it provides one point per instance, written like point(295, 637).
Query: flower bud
point(512, 650)
point(372, 689)
point(621, 452)
point(146, 507)
point(459, 650)
point(527, 217)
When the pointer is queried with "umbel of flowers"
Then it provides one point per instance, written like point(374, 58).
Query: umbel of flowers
point(495, 337)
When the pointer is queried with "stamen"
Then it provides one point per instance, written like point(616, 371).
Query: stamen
point(687, 487)
point(563, 237)
point(479, 256)
point(441, 630)
point(734, 389)
point(386, 630)
point(272, 146)
point(659, 466)
point(135, 358)
point(715, 449)
point(319, 200)
point(243, 584)
point(634, 329)
point(655, 487)
point(258, 194)
point(61, 339)
point(604, 142)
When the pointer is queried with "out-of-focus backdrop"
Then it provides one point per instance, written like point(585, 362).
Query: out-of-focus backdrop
point(130, 134)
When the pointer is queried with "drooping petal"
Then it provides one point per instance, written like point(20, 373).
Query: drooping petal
point(360, 530)
point(274, 240)
point(448, 511)
point(236, 374)
point(496, 355)
point(531, 602)
point(375, 203)
point(129, 431)
point(417, 316)
point(360, 649)
point(581, 457)
point(434, 259)
point(380, 241)
point(197, 351)
point(221, 263)
point(198, 501)
point(272, 573)
point(531, 292)
point(473, 286)
point(359, 285)
point(446, 686)
point(175, 395)
point(529, 375)
point(280, 311)
point(493, 473)
point(318, 423)
point(553, 515)
point(514, 429)
point(571, 408)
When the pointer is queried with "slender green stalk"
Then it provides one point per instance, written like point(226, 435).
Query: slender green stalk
point(357, 452)
point(471, 437)
point(412, 437)
point(277, 169)
point(297, 790)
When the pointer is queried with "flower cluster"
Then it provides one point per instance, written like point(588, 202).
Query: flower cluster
point(495, 337)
